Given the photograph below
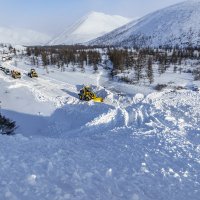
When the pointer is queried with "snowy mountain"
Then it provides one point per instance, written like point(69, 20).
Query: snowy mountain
point(175, 25)
point(22, 36)
point(89, 27)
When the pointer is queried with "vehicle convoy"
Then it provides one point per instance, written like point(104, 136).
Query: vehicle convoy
point(15, 74)
point(32, 73)
point(87, 94)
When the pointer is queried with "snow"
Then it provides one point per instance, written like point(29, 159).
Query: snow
point(19, 36)
point(175, 25)
point(139, 144)
point(89, 27)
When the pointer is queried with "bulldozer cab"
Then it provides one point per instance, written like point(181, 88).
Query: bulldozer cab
point(15, 74)
point(87, 89)
point(32, 73)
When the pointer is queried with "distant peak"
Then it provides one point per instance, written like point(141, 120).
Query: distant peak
point(92, 13)
point(86, 29)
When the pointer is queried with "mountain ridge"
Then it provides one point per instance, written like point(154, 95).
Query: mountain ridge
point(178, 24)
point(21, 36)
point(86, 28)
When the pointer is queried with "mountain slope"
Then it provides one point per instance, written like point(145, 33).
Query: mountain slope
point(22, 36)
point(89, 27)
point(175, 25)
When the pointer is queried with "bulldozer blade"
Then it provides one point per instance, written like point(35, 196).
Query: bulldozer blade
point(98, 99)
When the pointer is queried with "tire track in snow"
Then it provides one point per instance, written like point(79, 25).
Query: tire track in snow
point(43, 88)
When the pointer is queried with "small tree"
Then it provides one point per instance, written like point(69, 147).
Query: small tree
point(95, 67)
point(149, 71)
point(196, 74)
point(7, 126)
point(28, 51)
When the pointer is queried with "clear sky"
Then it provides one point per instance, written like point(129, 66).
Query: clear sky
point(52, 16)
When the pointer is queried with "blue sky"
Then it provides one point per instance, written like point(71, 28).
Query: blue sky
point(52, 16)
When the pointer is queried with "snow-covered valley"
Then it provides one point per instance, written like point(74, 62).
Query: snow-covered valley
point(139, 144)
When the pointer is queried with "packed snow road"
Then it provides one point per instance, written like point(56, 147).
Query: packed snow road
point(137, 147)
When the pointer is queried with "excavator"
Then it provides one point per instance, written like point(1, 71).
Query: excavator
point(15, 74)
point(86, 94)
point(32, 73)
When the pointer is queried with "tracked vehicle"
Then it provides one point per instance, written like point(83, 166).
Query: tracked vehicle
point(86, 94)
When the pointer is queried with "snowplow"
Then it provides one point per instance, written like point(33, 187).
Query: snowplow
point(86, 94)
point(15, 74)
point(32, 73)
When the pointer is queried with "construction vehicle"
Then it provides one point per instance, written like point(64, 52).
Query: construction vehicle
point(2, 68)
point(15, 74)
point(86, 94)
point(7, 71)
point(32, 73)
point(7, 58)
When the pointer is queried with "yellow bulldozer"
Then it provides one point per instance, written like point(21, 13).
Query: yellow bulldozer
point(32, 73)
point(86, 94)
point(15, 74)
